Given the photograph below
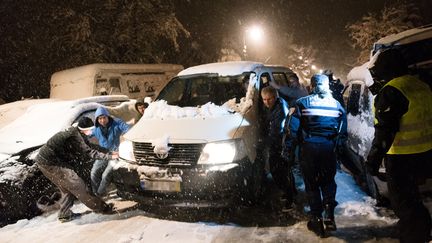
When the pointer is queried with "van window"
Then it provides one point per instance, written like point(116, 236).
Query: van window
point(199, 90)
point(354, 99)
point(264, 80)
point(101, 86)
point(280, 79)
point(173, 92)
point(114, 86)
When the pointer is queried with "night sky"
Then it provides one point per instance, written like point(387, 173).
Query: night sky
point(40, 38)
point(320, 23)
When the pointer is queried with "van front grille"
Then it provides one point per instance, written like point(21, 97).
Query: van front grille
point(178, 155)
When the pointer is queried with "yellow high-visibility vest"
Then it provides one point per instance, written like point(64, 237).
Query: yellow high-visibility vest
point(415, 131)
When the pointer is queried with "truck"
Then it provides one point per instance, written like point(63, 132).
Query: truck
point(133, 80)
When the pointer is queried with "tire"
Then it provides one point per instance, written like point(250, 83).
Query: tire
point(256, 181)
point(373, 191)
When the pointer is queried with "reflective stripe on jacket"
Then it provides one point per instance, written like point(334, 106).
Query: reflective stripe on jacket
point(321, 118)
point(415, 131)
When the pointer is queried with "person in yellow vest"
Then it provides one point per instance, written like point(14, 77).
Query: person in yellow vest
point(403, 139)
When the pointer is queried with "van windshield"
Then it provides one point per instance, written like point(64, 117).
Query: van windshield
point(200, 89)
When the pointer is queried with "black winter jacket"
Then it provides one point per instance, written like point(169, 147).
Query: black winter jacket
point(70, 149)
point(273, 128)
point(390, 106)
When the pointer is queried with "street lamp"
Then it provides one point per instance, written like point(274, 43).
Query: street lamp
point(254, 33)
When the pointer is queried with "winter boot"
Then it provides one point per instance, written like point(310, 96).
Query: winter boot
point(329, 220)
point(108, 209)
point(315, 225)
point(70, 217)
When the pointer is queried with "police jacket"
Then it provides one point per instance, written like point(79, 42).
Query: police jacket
point(274, 124)
point(403, 115)
point(109, 136)
point(69, 149)
point(322, 119)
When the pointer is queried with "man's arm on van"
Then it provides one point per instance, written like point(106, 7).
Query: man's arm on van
point(390, 105)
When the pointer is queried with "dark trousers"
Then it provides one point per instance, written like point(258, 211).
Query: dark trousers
point(71, 187)
point(403, 175)
point(282, 174)
point(318, 165)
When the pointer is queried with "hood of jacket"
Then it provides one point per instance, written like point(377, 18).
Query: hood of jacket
point(102, 111)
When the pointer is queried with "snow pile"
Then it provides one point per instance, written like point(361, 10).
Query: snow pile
point(245, 102)
point(361, 73)
point(357, 220)
point(14, 172)
point(161, 110)
point(363, 131)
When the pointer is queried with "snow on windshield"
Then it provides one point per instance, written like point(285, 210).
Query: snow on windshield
point(161, 109)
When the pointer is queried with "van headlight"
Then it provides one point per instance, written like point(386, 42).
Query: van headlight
point(223, 152)
point(126, 150)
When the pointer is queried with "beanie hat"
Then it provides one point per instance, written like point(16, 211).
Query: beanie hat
point(85, 123)
point(319, 80)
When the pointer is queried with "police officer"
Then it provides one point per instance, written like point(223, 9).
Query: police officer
point(322, 123)
point(403, 138)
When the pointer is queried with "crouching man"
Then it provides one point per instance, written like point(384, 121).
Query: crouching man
point(61, 158)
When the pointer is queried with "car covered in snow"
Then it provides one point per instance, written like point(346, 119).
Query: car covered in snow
point(416, 46)
point(196, 144)
point(21, 182)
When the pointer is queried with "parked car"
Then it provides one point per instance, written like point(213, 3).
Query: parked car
point(11, 111)
point(416, 46)
point(196, 144)
point(21, 183)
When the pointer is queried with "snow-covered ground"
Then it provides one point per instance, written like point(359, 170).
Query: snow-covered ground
point(357, 219)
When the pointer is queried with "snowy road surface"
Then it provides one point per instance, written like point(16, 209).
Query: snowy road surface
point(357, 219)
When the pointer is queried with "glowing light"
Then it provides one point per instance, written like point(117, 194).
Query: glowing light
point(255, 33)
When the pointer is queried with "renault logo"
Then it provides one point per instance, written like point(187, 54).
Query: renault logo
point(163, 155)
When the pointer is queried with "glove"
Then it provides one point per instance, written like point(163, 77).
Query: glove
point(372, 168)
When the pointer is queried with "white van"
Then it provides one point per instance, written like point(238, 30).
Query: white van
point(133, 80)
point(196, 143)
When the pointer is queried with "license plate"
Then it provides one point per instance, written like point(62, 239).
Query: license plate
point(160, 185)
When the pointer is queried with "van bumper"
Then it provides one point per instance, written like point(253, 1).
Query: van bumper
point(198, 186)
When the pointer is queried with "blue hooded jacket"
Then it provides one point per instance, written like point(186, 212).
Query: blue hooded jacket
point(109, 137)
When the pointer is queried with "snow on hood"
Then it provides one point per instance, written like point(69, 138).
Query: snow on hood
point(39, 123)
point(187, 124)
point(15, 172)
point(361, 73)
point(161, 145)
point(10, 111)
point(161, 110)
point(42, 121)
